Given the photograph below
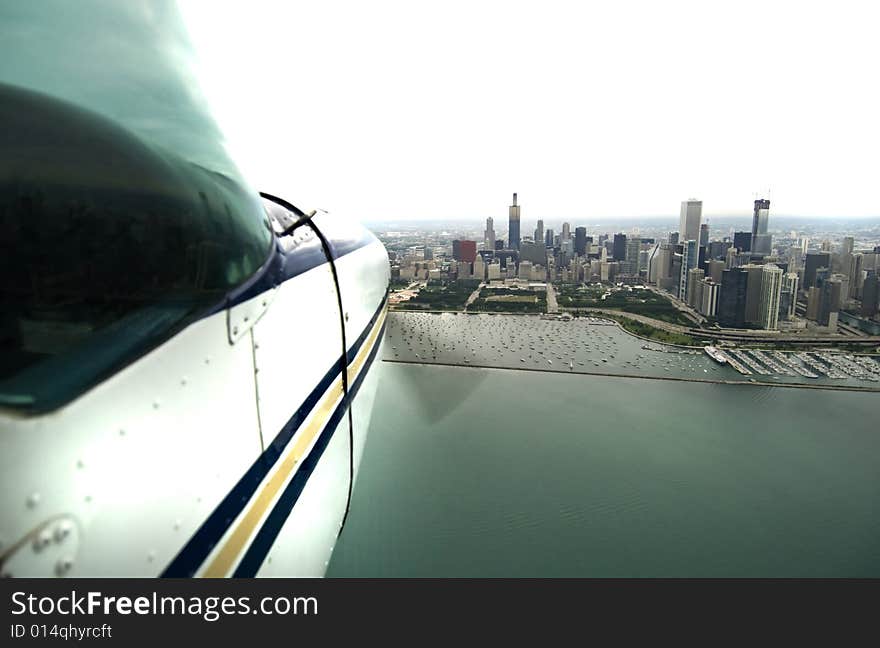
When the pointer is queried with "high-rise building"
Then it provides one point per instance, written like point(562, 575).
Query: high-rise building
point(742, 241)
point(694, 288)
point(771, 287)
point(580, 241)
point(619, 250)
point(709, 297)
point(717, 249)
point(704, 235)
point(631, 259)
point(812, 262)
point(548, 239)
point(761, 240)
point(689, 257)
point(847, 245)
point(539, 232)
point(790, 285)
point(753, 296)
point(689, 220)
point(566, 231)
point(814, 298)
point(464, 250)
point(535, 253)
point(715, 267)
point(489, 234)
point(673, 238)
point(871, 294)
point(513, 238)
point(731, 310)
point(829, 305)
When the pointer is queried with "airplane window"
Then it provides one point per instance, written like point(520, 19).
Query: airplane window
point(109, 247)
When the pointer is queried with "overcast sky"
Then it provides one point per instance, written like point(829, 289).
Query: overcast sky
point(422, 110)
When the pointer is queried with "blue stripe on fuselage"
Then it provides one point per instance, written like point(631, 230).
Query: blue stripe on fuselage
point(200, 545)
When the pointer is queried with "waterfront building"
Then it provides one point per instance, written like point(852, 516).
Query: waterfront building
point(790, 286)
point(709, 291)
point(814, 297)
point(694, 288)
point(753, 296)
point(731, 308)
point(871, 294)
point(689, 256)
point(771, 288)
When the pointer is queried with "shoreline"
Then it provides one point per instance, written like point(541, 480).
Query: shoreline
point(757, 383)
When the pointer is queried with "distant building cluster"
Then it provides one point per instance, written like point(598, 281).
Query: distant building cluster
point(742, 280)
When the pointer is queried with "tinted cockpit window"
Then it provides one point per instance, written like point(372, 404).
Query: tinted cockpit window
point(109, 246)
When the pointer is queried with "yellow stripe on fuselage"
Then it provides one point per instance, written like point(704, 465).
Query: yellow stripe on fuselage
point(225, 559)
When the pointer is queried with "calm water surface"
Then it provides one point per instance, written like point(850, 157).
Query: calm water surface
point(491, 472)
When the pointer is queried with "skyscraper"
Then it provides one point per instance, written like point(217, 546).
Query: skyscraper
point(771, 288)
point(539, 233)
point(548, 238)
point(790, 285)
point(732, 298)
point(761, 240)
point(812, 262)
point(489, 235)
point(566, 231)
point(689, 221)
point(689, 256)
point(619, 249)
point(742, 241)
point(704, 235)
point(513, 237)
point(580, 241)
point(464, 250)
point(871, 294)
point(753, 294)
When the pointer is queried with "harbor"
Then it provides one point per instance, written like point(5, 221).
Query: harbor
point(592, 345)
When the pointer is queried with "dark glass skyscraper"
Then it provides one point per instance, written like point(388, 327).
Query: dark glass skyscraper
point(513, 237)
point(618, 252)
point(742, 241)
point(812, 262)
point(732, 298)
point(580, 241)
point(761, 241)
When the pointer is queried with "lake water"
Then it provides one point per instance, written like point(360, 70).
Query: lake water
point(492, 472)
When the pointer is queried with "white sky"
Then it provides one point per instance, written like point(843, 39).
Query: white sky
point(416, 110)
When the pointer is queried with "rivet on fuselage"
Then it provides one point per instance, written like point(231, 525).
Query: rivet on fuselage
point(121, 432)
point(63, 566)
point(80, 464)
point(235, 330)
point(176, 525)
point(42, 540)
point(156, 404)
point(33, 499)
point(183, 381)
point(151, 556)
point(61, 531)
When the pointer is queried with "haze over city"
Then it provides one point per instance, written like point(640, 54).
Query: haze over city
point(401, 111)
